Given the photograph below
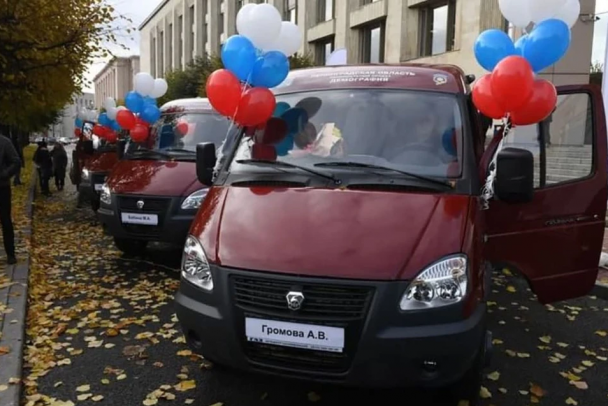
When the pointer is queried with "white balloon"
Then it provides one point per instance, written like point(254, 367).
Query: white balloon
point(262, 25)
point(121, 108)
point(569, 13)
point(111, 112)
point(242, 16)
point(516, 11)
point(541, 10)
point(143, 83)
point(92, 116)
point(109, 103)
point(160, 88)
point(289, 40)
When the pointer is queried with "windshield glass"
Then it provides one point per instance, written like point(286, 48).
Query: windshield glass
point(183, 131)
point(414, 131)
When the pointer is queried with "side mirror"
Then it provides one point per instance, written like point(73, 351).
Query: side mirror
point(87, 147)
point(120, 148)
point(205, 161)
point(515, 175)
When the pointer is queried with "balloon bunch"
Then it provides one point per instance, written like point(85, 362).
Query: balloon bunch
point(512, 90)
point(84, 115)
point(255, 61)
point(140, 110)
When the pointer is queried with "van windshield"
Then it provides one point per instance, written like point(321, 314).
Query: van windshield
point(412, 131)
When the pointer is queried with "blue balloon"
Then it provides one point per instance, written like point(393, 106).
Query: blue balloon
point(296, 119)
point(281, 108)
point(134, 102)
point(78, 123)
point(447, 140)
point(547, 44)
point(270, 70)
point(239, 56)
point(519, 45)
point(150, 114)
point(491, 47)
point(150, 100)
point(285, 145)
point(103, 119)
point(115, 126)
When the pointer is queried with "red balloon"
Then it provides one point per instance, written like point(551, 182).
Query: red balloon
point(256, 107)
point(182, 128)
point(126, 119)
point(485, 101)
point(264, 152)
point(512, 82)
point(276, 129)
point(139, 133)
point(224, 92)
point(111, 136)
point(540, 105)
point(98, 130)
point(77, 132)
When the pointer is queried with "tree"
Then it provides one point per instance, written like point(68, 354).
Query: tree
point(45, 48)
point(596, 75)
point(186, 83)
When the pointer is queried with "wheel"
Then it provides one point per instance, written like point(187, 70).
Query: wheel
point(467, 388)
point(95, 204)
point(130, 247)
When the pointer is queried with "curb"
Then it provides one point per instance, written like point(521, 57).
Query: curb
point(13, 324)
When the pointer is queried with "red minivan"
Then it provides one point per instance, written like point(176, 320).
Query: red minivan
point(362, 252)
point(100, 162)
point(152, 194)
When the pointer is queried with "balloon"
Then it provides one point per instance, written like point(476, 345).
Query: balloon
point(111, 113)
point(541, 10)
point(111, 136)
point(160, 88)
point(109, 103)
point(540, 105)
point(519, 45)
point(224, 92)
point(289, 40)
point(150, 100)
point(306, 136)
point(547, 44)
point(281, 108)
point(103, 119)
point(296, 119)
point(239, 56)
point(569, 12)
point(139, 133)
point(126, 119)
point(143, 83)
point(255, 107)
point(98, 130)
point(275, 131)
point(270, 70)
point(262, 25)
point(78, 123)
point(116, 126)
point(264, 152)
point(134, 102)
point(182, 128)
point(512, 81)
point(312, 105)
point(77, 132)
point(285, 146)
point(150, 114)
point(491, 47)
point(516, 12)
point(485, 101)
point(242, 16)
point(92, 115)
point(448, 140)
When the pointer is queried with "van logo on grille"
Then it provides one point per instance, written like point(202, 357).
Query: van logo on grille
point(140, 204)
point(295, 300)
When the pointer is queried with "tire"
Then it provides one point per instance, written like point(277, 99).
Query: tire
point(467, 388)
point(130, 247)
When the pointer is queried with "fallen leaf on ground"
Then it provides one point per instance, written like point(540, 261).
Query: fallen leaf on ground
point(83, 388)
point(537, 390)
point(121, 377)
point(97, 398)
point(150, 402)
point(545, 339)
point(563, 345)
point(84, 396)
point(185, 385)
point(189, 401)
point(494, 376)
point(571, 401)
point(502, 390)
point(484, 393)
point(580, 384)
point(511, 289)
point(3, 388)
point(4, 350)
point(601, 333)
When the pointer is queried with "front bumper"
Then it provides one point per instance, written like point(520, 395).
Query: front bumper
point(89, 189)
point(171, 226)
point(384, 347)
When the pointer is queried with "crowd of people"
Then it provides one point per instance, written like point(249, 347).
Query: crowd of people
point(51, 164)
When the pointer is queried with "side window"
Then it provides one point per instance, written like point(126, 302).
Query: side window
point(567, 136)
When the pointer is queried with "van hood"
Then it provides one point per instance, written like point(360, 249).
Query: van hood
point(154, 178)
point(330, 233)
point(103, 162)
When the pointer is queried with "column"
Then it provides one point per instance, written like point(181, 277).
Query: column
point(214, 32)
point(201, 35)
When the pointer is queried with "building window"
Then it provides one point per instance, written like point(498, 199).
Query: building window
point(205, 34)
point(170, 48)
point(161, 54)
point(220, 27)
point(290, 8)
point(180, 46)
point(508, 27)
point(153, 57)
point(239, 5)
point(323, 49)
point(192, 33)
point(437, 23)
point(372, 43)
point(325, 10)
point(364, 2)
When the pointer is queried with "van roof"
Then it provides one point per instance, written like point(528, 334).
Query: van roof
point(193, 104)
point(443, 78)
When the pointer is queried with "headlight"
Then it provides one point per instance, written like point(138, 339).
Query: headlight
point(106, 195)
point(194, 201)
point(85, 175)
point(195, 268)
point(443, 283)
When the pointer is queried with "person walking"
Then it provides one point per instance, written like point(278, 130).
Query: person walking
point(17, 145)
point(60, 163)
point(9, 165)
point(44, 163)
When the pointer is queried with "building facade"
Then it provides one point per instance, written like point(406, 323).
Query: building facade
point(115, 79)
point(65, 127)
point(372, 31)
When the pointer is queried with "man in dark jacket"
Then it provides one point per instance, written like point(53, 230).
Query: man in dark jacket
point(44, 162)
point(9, 165)
point(17, 145)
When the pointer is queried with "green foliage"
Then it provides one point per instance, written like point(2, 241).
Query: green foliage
point(301, 61)
point(596, 75)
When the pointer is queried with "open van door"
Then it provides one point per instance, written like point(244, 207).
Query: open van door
point(556, 240)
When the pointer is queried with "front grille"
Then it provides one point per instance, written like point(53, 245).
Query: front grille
point(151, 205)
point(98, 178)
point(321, 301)
point(274, 356)
point(143, 230)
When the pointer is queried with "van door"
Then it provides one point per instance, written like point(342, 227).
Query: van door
point(556, 240)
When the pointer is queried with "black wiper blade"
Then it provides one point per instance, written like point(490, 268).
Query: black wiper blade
point(289, 165)
point(385, 168)
point(149, 152)
point(189, 151)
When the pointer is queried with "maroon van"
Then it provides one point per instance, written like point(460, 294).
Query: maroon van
point(152, 193)
point(361, 253)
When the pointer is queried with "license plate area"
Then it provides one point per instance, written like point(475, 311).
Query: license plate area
point(98, 187)
point(139, 218)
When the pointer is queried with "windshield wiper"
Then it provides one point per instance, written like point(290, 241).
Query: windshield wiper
point(289, 165)
point(189, 151)
point(385, 168)
point(140, 153)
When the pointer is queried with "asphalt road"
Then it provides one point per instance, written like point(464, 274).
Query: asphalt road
point(103, 325)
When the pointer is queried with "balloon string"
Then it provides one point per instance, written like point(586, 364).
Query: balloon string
point(487, 192)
